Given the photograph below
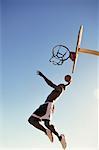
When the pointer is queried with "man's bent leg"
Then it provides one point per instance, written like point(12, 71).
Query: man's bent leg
point(60, 137)
point(51, 127)
point(35, 122)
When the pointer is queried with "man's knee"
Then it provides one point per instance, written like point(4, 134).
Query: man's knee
point(32, 120)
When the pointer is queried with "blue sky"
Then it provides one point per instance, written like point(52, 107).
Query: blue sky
point(29, 30)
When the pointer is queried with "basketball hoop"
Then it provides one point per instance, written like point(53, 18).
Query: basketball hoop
point(60, 53)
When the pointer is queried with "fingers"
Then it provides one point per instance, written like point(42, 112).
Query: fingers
point(38, 72)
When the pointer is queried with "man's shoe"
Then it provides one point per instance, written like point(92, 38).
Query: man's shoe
point(63, 141)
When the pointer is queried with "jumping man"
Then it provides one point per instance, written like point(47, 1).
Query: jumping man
point(45, 111)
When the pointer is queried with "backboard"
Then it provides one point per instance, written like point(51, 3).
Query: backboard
point(61, 53)
point(79, 38)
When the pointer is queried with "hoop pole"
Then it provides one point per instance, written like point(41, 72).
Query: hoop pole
point(88, 51)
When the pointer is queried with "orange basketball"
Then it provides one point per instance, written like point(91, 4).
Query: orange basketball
point(67, 78)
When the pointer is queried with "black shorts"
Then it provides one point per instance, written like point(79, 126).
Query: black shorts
point(44, 111)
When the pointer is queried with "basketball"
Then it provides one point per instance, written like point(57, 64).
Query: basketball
point(67, 78)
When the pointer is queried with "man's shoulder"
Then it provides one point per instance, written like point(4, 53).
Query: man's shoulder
point(59, 87)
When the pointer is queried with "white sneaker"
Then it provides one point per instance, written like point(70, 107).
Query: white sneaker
point(63, 141)
point(49, 134)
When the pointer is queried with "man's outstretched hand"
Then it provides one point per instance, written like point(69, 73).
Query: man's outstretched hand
point(39, 73)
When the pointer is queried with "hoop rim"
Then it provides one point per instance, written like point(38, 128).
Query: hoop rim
point(60, 58)
point(60, 46)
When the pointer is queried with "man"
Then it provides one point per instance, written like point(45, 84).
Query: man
point(44, 112)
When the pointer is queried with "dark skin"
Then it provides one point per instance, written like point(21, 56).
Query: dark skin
point(57, 88)
point(51, 97)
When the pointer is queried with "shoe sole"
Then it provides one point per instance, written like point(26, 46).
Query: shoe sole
point(64, 144)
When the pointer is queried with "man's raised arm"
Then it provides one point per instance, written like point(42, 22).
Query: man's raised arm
point(47, 80)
